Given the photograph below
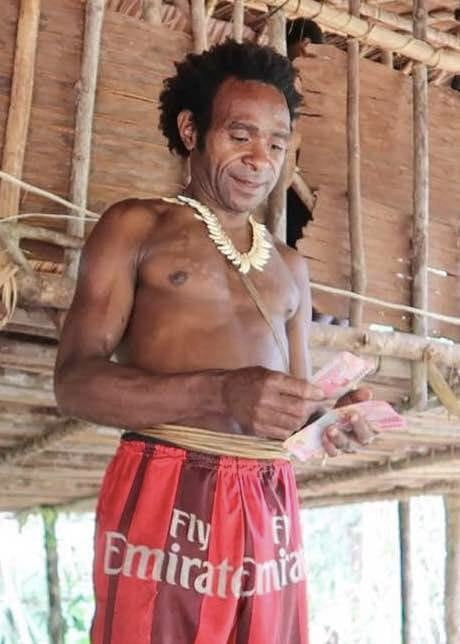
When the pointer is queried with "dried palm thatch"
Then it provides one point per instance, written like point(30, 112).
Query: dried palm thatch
point(8, 289)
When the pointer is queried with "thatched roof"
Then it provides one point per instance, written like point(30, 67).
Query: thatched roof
point(45, 458)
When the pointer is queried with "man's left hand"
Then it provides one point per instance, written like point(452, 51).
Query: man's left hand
point(358, 431)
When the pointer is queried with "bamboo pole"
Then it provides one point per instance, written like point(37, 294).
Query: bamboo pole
point(381, 469)
point(399, 493)
point(304, 192)
point(452, 568)
point(17, 125)
point(387, 58)
point(56, 623)
point(357, 250)
point(434, 36)
point(277, 201)
point(199, 26)
point(238, 20)
point(151, 11)
point(372, 34)
point(81, 159)
point(395, 344)
point(405, 552)
point(419, 387)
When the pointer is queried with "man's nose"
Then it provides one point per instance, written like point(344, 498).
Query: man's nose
point(257, 157)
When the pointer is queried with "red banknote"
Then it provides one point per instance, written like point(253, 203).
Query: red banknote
point(379, 414)
point(342, 374)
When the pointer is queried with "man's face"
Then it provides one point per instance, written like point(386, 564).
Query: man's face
point(245, 146)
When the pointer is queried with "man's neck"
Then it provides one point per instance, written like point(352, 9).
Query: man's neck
point(227, 218)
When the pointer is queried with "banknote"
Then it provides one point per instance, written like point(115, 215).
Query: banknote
point(380, 415)
point(342, 373)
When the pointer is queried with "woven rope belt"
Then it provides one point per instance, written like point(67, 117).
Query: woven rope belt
point(208, 442)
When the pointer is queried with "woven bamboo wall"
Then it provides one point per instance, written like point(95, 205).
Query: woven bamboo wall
point(386, 131)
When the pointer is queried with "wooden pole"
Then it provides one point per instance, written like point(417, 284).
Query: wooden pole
point(56, 623)
point(419, 389)
point(406, 346)
point(151, 11)
point(401, 23)
point(277, 202)
point(84, 123)
point(357, 250)
point(387, 58)
point(382, 469)
point(17, 125)
point(405, 572)
point(238, 20)
point(400, 493)
point(372, 34)
point(199, 26)
point(452, 568)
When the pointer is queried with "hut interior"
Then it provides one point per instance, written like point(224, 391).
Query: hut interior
point(376, 171)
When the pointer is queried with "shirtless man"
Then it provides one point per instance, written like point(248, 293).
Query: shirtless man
point(193, 548)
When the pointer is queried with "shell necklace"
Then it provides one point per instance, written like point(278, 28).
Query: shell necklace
point(256, 257)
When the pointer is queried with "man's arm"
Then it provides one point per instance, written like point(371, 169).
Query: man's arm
point(87, 384)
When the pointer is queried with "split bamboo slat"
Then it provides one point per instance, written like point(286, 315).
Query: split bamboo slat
point(355, 228)
point(373, 34)
point(421, 179)
point(81, 158)
point(276, 203)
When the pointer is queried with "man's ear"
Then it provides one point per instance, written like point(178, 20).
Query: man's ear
point(187, 129)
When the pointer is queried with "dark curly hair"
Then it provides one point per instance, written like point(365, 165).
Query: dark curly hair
point(199, 76)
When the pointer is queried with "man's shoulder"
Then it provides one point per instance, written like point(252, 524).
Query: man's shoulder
point(296, 263)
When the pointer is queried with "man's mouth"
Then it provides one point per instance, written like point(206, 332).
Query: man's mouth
point(249, 183)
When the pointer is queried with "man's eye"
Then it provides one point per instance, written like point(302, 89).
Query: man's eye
point(240, 139)
point(278, 148)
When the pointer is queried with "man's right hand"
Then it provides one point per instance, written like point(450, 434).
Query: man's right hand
point(269, 404)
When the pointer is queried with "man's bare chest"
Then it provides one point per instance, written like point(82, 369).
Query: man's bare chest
point(189, 267)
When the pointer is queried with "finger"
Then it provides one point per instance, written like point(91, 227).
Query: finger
point(299, 409)
point(359, 429)
point(274, 418)
point(296, 387)
point(329, 447)
point(356, 396)
point(339, 438)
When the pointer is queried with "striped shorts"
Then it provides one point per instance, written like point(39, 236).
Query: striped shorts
point(197, 549)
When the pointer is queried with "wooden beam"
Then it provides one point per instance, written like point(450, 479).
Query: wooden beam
point(199, 26)
point(81, 158)
point(419, 387)
point(397, 493)
point(355, 223)
point(32, 446)
point(27, 356)
point(383, 469)
point(402, 23)
point(452, 568)
point(373, 34)
point(395, 344)
point(277, 201)
point(17, 125)
point(238, 20)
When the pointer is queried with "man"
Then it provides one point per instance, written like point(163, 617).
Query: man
point(193, 547)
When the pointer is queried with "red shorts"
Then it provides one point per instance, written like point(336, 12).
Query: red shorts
point(197, 549)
